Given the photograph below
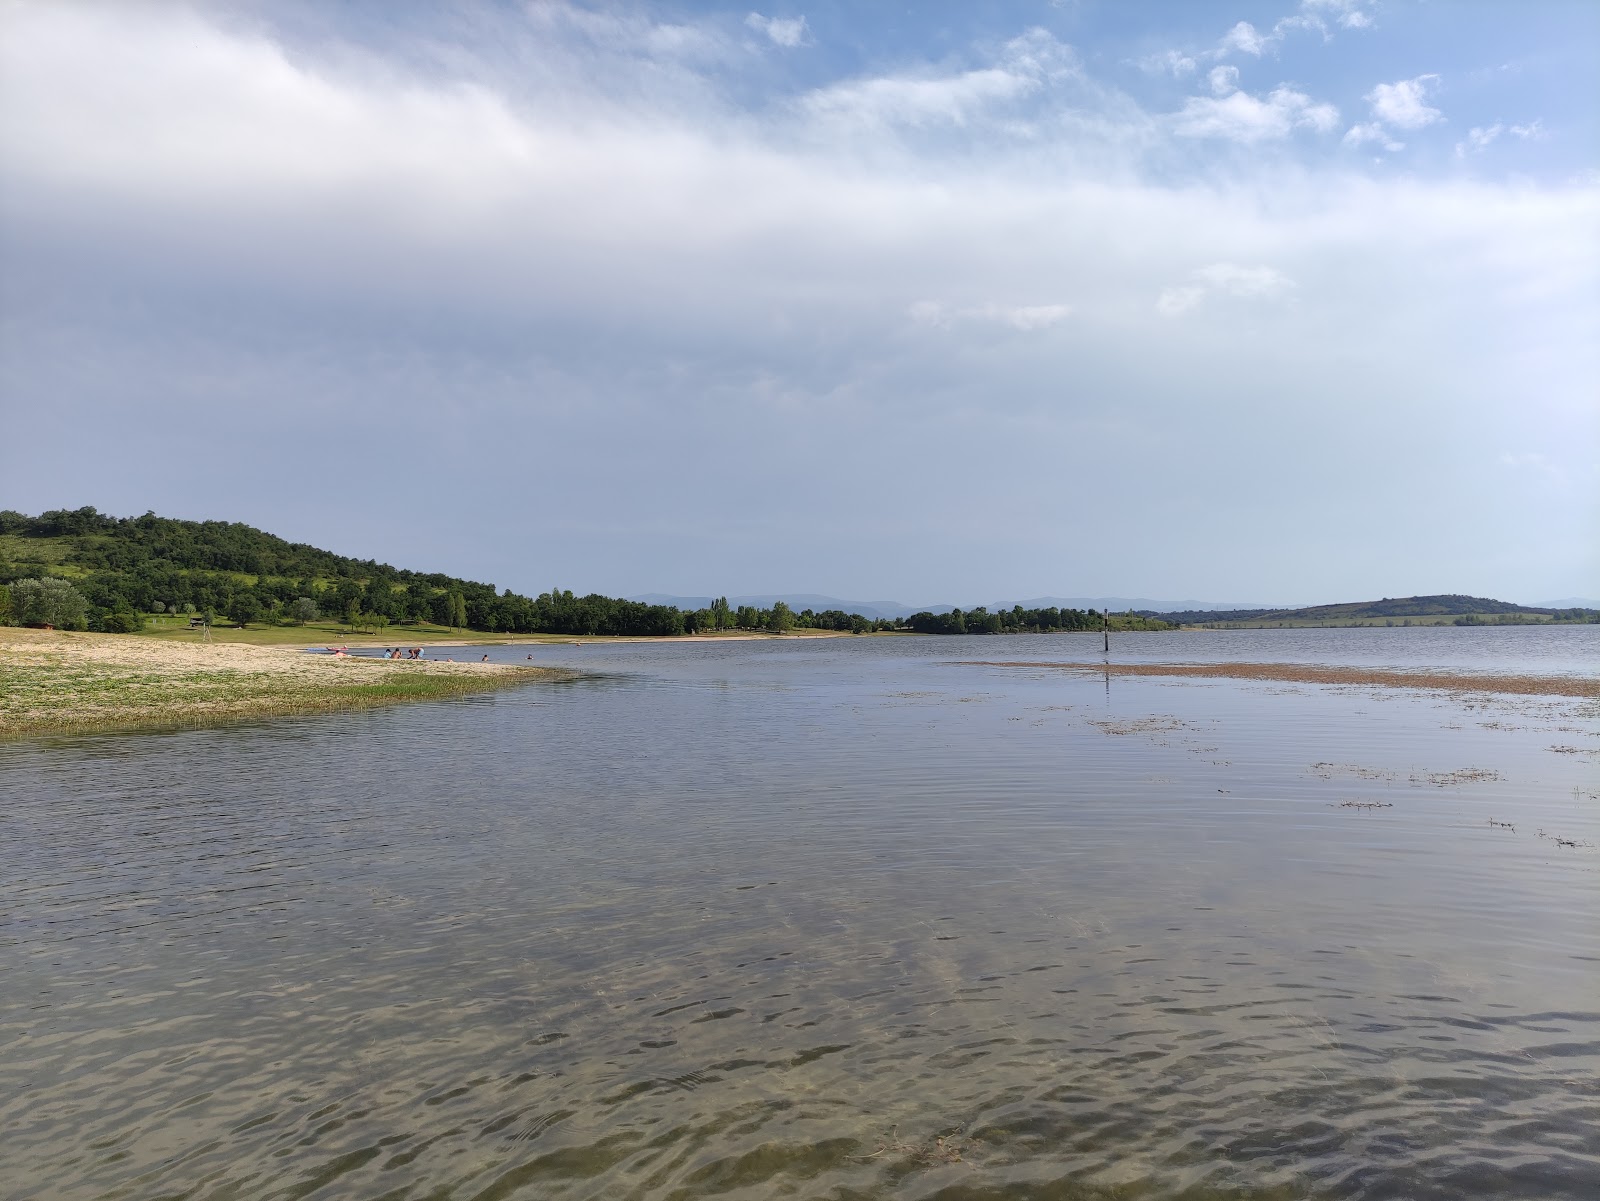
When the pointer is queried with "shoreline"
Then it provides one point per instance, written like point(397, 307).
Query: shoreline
point(366, 642)
point(54, 682)
point(1439, 679)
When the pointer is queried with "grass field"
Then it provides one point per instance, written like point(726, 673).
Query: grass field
point(54, 682)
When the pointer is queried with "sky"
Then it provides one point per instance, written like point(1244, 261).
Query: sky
point(1291, 302)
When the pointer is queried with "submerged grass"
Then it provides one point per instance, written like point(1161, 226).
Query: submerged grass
point(54, 682)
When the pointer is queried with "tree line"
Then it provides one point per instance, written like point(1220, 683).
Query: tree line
point(81, 569)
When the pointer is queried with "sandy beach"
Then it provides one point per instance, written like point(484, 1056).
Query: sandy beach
point(1520, 685)
point(58, 681)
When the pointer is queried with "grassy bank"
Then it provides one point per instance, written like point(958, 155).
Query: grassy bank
point(53, 682)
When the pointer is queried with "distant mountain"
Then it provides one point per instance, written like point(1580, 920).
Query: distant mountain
point(1443, 605)
point(1571, 602)
point(894, 609)
point(798, 601)
point(1121, 604)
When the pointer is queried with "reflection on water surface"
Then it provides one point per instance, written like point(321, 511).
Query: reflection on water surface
point(757, 919)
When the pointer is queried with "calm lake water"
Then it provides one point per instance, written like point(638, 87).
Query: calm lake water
point(762, 919)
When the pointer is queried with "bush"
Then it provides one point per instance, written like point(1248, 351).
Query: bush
point(123, 622)
point(5, 605)
point(49, 602)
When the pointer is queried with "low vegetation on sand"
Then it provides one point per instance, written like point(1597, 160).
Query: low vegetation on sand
point(53, 682)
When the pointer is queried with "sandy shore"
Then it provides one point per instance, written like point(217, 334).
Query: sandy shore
point(1464, 681)
point(368, 641)
point(55, 681)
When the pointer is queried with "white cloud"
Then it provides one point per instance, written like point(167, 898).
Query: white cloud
point(784, 31)
point(1478, 137)
point(1168, 62)
point(1027, 317)
point(1360, 135)
point(322, 228)
point(1223, 279)
point(1348, 13)
point(1025, 66)
point(1241, 117)
point(1244, 38)
point(1536, 464)
point(1404, 104)
point(1223, 80)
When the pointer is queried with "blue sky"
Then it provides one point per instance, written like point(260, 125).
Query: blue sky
point(939, 302)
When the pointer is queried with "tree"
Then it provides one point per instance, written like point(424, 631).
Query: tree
point(49, 602)
point(781, 619)
point(122, 621)
point(244, 608)
point(303, 609)
point(5, 605)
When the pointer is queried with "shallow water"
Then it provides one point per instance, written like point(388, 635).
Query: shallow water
point(757, 919)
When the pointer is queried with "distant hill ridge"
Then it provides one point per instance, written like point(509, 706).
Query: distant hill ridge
point(127, 565)
point(895, 609)
point(1406, 607)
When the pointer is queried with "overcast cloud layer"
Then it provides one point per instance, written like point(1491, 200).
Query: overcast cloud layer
point(1297, 303)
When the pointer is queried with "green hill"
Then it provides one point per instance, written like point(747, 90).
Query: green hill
point(129, 566)
point(1445, 609)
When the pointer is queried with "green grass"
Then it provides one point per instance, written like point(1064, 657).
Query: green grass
point(63, 697)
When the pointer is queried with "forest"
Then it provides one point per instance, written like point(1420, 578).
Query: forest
point(125, 567)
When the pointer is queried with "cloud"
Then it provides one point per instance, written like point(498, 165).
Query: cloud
point(1538, 465)
point(1348, 13)
point(1223, 279)
point(1404, 104)
point(1024, 67)
point(1360, 135)
point(788, 32)
point(1241, 117)
point(1026, 318)
point(567, 225)
point(1479, 137)
point(1312, 17)
point(1244, 38)
point(1223, 80)
point(1168, 62)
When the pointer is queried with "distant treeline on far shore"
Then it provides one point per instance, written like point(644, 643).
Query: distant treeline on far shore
point(81, 569)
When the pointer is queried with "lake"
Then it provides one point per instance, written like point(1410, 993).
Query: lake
point(840, 919)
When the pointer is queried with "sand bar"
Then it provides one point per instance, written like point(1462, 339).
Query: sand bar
point(1304, 673)
point(52, 681)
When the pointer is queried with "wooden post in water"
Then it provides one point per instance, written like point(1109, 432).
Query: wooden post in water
point(1105, 629)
